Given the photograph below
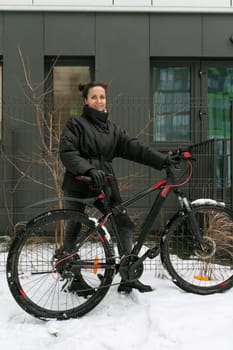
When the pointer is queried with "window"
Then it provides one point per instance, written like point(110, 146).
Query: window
point(171, 103)
point(64, 98)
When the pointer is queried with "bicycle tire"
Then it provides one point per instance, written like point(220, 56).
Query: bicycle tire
point(36, 282)
point(190, 269)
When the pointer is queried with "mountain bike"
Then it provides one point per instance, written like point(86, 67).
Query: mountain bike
point(196, 249)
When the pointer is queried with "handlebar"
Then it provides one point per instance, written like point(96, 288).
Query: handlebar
point(175, 158)
point(178, 155)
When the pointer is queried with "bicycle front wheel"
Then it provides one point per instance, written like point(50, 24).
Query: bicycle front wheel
point(69, 287)
point(191, 269)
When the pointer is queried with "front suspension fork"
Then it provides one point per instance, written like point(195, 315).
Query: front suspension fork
point(194, 226)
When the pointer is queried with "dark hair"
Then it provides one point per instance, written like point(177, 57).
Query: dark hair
point(84, 88)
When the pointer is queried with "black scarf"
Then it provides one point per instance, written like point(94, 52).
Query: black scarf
point(98, 118)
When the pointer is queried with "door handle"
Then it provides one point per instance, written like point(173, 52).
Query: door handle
point(201, 114)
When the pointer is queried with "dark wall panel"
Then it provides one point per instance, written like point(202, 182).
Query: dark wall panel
point(175, 35)
point(1, 33)
point(122, 60)
point(21, 138)
point(122, 47)
point(22, 31)
point(69, 34)
point(217, 30)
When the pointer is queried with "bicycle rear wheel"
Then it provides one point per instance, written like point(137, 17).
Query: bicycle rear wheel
point(191, 269)
point(41, 283)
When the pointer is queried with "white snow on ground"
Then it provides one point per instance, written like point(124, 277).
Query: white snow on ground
point(165, 319)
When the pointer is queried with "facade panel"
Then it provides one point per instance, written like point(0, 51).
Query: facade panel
point(69, 34)
point(22, 32)
point(175, 35)
point(217, 36)
point(20, 136)
point(132, 3)
point(16, 2)
point(91, 3)
point(193, 3)
point(122, 46)
point(1, 34)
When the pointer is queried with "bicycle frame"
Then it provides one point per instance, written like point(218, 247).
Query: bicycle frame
point(164, 187)
point(151, 216)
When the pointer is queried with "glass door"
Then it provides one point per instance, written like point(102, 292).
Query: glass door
point(217, 87)
point(192, 107)
point(220, 95)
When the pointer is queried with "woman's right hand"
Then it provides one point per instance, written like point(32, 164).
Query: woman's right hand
point(98, 177)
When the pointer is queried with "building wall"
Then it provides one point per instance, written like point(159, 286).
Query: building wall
point(122, 45)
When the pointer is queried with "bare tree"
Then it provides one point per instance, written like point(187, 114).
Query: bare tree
point(47, 122)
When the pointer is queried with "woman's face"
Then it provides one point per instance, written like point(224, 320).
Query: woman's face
point(96, 98)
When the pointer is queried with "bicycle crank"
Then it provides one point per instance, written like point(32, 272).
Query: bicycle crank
point(127, 269)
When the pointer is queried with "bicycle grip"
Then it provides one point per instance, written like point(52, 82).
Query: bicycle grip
point(83, 178)
point(89, 180)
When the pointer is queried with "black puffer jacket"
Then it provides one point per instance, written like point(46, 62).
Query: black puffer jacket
point(92, 141)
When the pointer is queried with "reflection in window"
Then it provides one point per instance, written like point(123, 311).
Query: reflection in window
point(220, 95)
point(67, 98)
point(171, 104)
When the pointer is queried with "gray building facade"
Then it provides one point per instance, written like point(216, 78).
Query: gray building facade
point(124, 49)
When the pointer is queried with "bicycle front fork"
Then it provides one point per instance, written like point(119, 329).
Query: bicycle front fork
point(194, 226)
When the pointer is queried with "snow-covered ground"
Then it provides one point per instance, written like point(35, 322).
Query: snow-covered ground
point(165, 319)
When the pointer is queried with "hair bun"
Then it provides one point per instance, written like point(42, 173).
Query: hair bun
point(84, 88)
point(81, 87)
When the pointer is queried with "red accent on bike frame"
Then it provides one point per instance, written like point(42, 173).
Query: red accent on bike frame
point(101, 239)
point(102, 223)
point(95, 266)
point(101, 196)
point(186, 155)
point(165, 191)
point(22, 293)
point(158, 184)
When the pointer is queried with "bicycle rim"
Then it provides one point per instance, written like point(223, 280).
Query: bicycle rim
point(41, 284)
point(191, 269)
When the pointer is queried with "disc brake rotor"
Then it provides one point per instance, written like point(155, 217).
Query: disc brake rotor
point(210, 250)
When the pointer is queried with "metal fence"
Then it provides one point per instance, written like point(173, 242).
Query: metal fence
point(212, 170)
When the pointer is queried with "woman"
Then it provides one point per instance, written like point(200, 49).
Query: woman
point(88, 145)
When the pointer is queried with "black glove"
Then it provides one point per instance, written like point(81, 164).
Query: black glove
point(98, 177)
